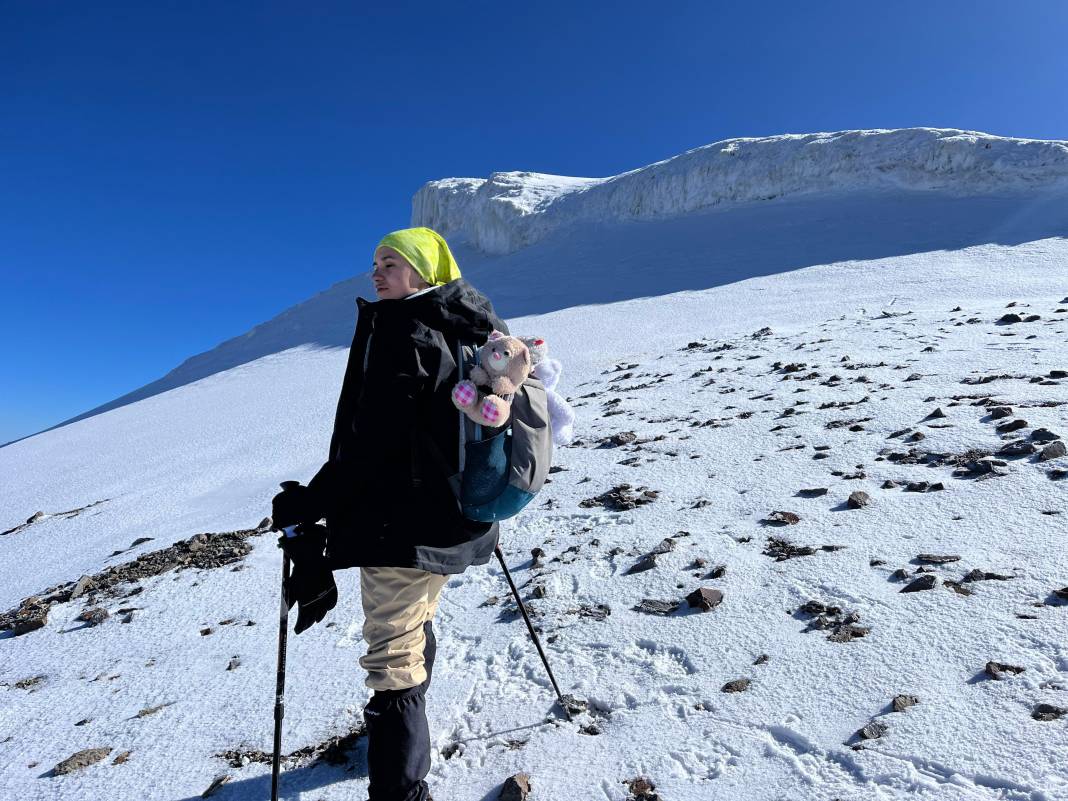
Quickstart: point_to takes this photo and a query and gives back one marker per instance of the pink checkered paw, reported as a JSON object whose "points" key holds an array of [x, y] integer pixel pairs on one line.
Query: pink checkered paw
{"points": [[464, 393], [490, 411]]}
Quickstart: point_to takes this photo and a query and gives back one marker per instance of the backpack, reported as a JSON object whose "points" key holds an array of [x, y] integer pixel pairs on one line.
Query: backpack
{"points": [[500, 474]]}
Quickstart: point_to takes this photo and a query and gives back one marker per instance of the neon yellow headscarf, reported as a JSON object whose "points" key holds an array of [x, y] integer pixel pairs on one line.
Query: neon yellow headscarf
{"points": [[426, 251]]}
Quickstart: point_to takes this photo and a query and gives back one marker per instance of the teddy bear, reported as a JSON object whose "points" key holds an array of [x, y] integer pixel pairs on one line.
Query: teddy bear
{"points": [[503, 364], [546, 370]]}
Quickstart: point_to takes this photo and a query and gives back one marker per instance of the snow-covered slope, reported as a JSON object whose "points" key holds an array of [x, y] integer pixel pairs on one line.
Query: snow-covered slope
{"points": [[511, 210], [721, 213], [728, 391]]}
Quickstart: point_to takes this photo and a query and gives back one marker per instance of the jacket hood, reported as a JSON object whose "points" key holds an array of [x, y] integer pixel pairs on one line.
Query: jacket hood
{"points": [[455, 309]]}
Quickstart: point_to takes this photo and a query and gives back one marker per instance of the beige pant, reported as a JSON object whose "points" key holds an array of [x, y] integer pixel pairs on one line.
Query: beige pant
{"points": [[396, 603]]}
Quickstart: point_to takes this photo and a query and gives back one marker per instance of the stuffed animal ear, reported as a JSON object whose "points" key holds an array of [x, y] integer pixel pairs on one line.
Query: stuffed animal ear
{"points": [[496, 335]]}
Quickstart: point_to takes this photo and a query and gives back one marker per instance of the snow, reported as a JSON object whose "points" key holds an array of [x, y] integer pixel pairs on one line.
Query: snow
{"points": [[206, 456], [512, 210]]}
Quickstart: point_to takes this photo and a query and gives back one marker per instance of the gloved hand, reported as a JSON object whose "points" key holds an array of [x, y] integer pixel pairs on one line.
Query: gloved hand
{"points": [[311, 584], [294, 504]]}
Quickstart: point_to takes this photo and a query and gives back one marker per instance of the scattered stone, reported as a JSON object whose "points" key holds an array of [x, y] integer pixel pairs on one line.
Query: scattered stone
{"points": [[782, 518], [83, 585], [736, 686], [760, 660], [873, 730], [1043, 435], [903, 702], [1014, 425], [1062, 593], [125, 755], [926, 582], [1054, 450], [815, 492], [216, 783], [981, 575], [641, 788], [81, 759], [203, 551], [1018, 447], [704, 598], [857, 500], [781, 550], [516, 788], [999, 671], [620, 499], [595, 611], [151, 710], [618, 440], [1047, 712], [998, 412], [30, 683], [651, 606], [937, 559], [935, 414], [235, 662], [647, 562], [574, 704], [94, 617], [900, 574]]}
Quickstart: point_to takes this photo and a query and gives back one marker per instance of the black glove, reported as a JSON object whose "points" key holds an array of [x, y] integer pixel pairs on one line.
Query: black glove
{"points": [[294, 504], [311, 584]]}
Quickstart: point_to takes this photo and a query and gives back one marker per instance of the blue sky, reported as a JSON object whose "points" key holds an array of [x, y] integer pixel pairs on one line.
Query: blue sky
{"points": [[172, 174]]}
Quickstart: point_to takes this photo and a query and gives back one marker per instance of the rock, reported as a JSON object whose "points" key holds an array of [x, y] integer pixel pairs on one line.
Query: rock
{"points": [[642, 789], [1057, 374], [235, 662], [782, 518], [516, 788], [873, 731], [1010, 318], [94, 617], [651, 606], [998, 412], [618, 440], [858, 499], [719, 571], [621, 498], [216, 783], [1015, 425], [80, 760], [23, 624], [1018, 447], [999, 671], [980, 575], [935, 414], [666, 545], [760, 660], [925, 582], [1047, 712], [903, 702], [1054, 450], [736, 686], [85, 583], [900, 574], [937, 559], [704, 598], [1043, 435], [847, 633], [574, 704], [1062, 593], [647, 562], [125, 755], [781, 550]]}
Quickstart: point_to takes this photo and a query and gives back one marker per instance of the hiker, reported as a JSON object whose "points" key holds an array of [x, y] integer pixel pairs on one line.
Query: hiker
{"points": [[389, 509]]}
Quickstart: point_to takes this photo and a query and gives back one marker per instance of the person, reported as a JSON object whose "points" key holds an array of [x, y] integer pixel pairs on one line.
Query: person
{"points": [[383, 490]]}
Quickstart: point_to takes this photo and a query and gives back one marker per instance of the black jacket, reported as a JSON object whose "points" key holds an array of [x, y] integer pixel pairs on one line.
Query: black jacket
{"points": [[383, 490]]}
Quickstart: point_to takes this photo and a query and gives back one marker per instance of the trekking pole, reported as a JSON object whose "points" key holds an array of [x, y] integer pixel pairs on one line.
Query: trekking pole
{"points": [[530, 628], [280, 685]]}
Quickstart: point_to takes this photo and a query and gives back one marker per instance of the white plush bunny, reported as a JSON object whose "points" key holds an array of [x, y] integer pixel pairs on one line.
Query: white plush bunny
{"points": [[546, 370]]}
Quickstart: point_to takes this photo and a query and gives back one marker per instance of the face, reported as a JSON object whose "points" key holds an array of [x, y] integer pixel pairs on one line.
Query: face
{"points": [[393, 276]]}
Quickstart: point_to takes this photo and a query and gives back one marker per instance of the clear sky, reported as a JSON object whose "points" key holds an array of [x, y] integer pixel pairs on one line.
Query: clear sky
{"points": [[172, 174]]}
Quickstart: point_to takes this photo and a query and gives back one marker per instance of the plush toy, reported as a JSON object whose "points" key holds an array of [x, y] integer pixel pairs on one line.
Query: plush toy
{"points": [[503, 364], [546, 370]]}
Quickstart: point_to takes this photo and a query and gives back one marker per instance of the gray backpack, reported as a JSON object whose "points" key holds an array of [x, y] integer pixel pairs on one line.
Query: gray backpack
{"points": [[500, 474]]}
